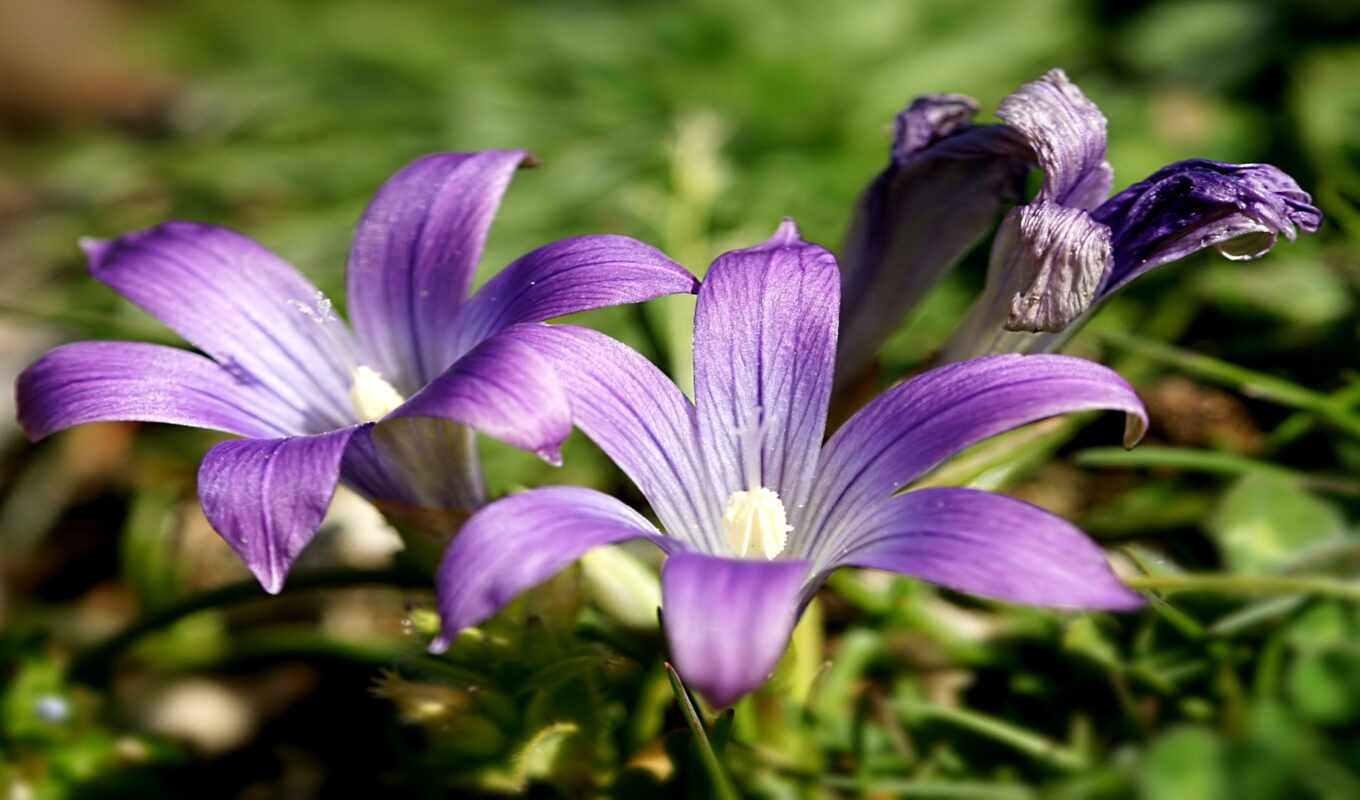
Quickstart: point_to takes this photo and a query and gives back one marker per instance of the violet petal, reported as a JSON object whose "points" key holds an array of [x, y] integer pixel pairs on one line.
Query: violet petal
{"points": [[243, 306], [764, 349], [522, 540], [916, 425], [640, 420], [267, 497], [1190, 205], [503, 388], [568, 276], [415, 250], [990, 545], [939, 196], [112, 381], [728, 620]]}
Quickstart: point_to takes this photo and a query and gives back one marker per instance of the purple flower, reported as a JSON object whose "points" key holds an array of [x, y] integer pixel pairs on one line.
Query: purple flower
{"points": [[946, 182], [1058, 257], [304, 389], [756, 510]]}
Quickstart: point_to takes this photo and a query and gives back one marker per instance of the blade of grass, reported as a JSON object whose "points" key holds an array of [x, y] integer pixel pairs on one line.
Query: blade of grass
{"points": [[1249, 382], [721, 786], [1153, 457]]}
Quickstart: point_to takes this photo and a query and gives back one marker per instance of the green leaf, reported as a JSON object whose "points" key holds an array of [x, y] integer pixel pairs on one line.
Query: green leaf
{"points": [[1264, 520], [1185, 764]]}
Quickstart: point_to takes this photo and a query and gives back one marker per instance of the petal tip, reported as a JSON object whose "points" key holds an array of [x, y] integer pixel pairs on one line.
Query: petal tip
{"points": [[551, 454], [1135, 427], [439, 645], [788, 233]]}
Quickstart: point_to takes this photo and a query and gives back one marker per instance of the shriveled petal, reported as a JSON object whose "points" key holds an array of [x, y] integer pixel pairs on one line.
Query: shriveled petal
{"points": [[1066, 132], [414, 254], [729, 620], [1238, 208], [504, 388], [990, 545], [643, 422], [111, 381], [521, 541], [1047, 262], [914, 426], [764, 349], [568, 276], [939, 196], [243, 306], [267, 497]]}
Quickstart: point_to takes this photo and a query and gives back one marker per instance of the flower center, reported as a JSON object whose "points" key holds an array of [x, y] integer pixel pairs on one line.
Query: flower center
{"points": [[373, 397], [755, 523]]}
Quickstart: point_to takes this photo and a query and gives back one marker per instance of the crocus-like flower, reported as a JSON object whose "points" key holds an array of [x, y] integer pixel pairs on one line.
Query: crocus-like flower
{"points": [[1055, 258], [945, 185], [1063, 253], [756, 510], [305, 390]]}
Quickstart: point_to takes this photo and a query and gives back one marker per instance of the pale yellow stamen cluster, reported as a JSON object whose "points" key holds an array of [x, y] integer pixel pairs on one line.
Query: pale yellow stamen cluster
{"points": [[373, 397], [755, 523]]}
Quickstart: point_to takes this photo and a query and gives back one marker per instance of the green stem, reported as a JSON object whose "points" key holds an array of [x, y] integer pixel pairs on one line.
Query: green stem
{"points": [[1248, 382], [1154, 457], [1028, 742], [1249, 584], [94, 665], [721, 786]]}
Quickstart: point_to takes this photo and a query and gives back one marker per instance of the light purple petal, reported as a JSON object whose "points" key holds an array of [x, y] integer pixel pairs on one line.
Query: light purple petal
{"points": [[243, 306], [568, 276], [914, 426], [1066, 131], [267, 497], [990, 545], [729, 620], [640, 420], [521, 541], [414, 254], [1239, 208], [764, 350], [939, 196], [503, 388], [111, 381], [416, 465]]}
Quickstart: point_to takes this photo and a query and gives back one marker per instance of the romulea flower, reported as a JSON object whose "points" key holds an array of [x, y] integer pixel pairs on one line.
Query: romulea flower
{"points": [[388, 405], [754, 509], [1056, 258]]}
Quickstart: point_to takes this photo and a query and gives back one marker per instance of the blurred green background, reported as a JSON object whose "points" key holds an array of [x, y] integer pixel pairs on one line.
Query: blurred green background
{"points": [[695, 127]]}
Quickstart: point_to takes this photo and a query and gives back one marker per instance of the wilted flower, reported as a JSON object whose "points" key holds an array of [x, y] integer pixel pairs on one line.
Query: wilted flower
{"points": [[756, 511], [305, 390], [1057, 257]]}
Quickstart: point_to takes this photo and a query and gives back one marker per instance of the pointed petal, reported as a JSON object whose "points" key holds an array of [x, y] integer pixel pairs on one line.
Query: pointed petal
{"points": [[1238, 208], [521, 541], [414, 254], [729, 620], [987, 544], [267, 497], [764, 348], [243, 306], [111, 381], [568, 276], [503, 388], [1066, 131], [939, 196], [913, 427], [640, 420]]}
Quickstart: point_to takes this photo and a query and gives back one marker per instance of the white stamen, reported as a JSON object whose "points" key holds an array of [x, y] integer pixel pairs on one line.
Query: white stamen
{"points": [[755, 523], [373, 397]]}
